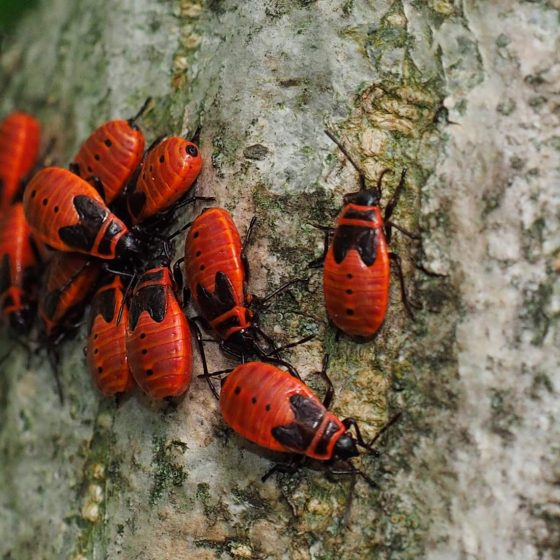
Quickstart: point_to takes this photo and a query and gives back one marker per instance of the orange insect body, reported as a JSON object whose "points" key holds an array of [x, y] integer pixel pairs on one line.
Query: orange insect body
{"points": [[111, 154], [69, 280], [19, 147], [216, 273], [158, 341], [106, 347], [269, 407], [68, 214], [18, 269], [357, 271], [168, 171]]}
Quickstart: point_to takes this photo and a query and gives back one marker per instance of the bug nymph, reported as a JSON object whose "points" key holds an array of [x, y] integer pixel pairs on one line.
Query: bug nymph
{"points": [[68, 214], [158, 337], [106, 347], [216, 272], [357, 264], [109, 156], [19, 259], [165, 176], [276, 410], [19, 148]]}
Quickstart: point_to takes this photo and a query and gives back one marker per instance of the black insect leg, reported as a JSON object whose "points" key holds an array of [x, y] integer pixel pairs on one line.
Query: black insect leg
{"points": [[54, 359], [198, 336], [392, 421], [295, 464], [397, 261], [389, 209], [247, 240], [329, 395], [143, 109]]}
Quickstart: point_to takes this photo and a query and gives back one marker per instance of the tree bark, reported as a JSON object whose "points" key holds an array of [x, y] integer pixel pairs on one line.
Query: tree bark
{"points": [[465, 96]]}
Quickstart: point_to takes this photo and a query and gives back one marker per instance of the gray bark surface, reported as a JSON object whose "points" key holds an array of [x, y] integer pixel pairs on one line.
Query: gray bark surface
{"points": [[466, 95]]}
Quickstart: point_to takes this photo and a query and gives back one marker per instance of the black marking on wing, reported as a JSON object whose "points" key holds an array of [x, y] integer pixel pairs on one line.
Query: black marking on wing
{"points": [[104, 305], [299, 434], [363, 239], [5, 276], [366, 215], [218, 303], [151, 276], [110, 232], [151, 299], [331, 429], [83, 234]]}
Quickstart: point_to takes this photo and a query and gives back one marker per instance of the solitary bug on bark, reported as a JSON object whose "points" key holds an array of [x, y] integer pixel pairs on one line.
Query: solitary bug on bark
{"points": [[110, 155], [19, 148], [357, 263], [68, 214], [158, 338], [277, 411], [106, 348]]}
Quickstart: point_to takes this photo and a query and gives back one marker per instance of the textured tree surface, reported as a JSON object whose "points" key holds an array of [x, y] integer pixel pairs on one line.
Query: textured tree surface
{"points": [[466, 96]]}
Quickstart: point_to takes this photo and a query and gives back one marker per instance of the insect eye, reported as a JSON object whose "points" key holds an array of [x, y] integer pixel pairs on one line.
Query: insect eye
{"points": [[191, 150]]}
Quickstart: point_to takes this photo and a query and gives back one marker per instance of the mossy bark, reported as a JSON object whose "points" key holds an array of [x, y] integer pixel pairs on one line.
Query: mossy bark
{"points": [[462, 94]]}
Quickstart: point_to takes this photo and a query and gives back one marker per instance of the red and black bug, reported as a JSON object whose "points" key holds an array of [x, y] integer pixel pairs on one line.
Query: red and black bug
{"points": [[19, 258], [106, 347], [167, 173], [19, 148], [357, 264], [69, 281], [158, 340], [110, 155], [68, 214], [273, 409], [216, 269]]}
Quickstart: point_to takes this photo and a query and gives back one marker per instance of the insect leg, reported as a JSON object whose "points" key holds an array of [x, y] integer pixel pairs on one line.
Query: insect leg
{"points": [[397, 260]]}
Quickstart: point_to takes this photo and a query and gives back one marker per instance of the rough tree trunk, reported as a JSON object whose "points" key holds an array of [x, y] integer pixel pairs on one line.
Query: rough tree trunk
{"points": [[471, 471]]}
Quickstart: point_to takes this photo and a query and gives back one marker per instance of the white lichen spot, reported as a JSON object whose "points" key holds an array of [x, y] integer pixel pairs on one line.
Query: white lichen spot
{"points": [[241, 550], [190, 9], [318, 507], [90, 509], [90, 512], [397, 20], [444, 7], [180, 63], [192, 41], [105, 421], [98, 471]]}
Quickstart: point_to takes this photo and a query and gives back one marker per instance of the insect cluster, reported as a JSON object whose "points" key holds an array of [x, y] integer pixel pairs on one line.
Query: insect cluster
{"points": [[99, 230]]}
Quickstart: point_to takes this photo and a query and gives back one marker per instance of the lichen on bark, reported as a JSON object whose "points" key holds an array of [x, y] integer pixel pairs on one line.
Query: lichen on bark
{"points": [[463, 95]]}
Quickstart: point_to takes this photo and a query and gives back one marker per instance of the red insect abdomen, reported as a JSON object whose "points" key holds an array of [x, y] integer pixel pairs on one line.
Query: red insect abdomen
{"points": [[18, 279], [69, 280], [215, 271], [168, 172], [158, 339], [357, 293], [68, 214], [213, 245], [111, 153], [106, 347], [19, 147], [263, 403]]}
